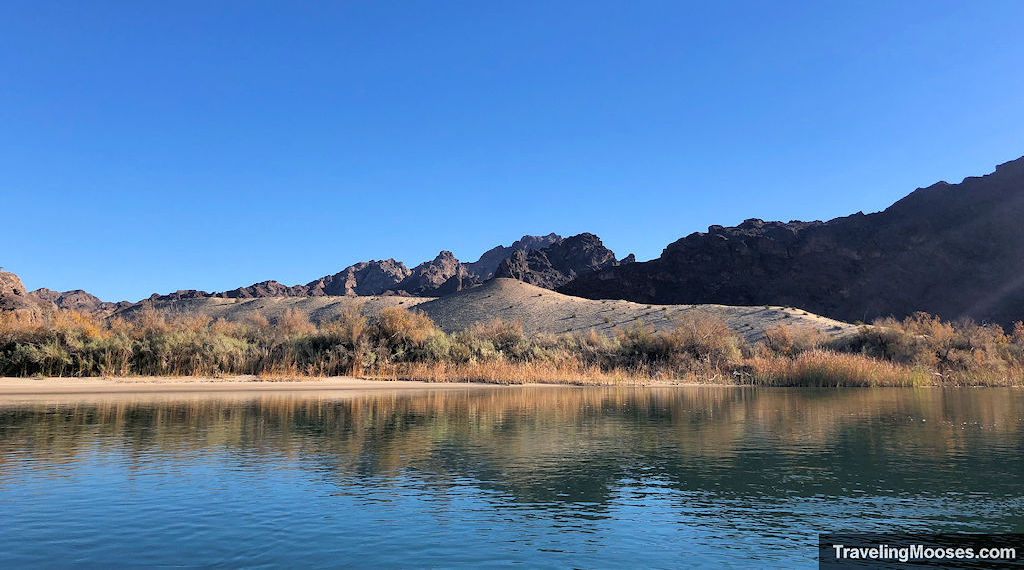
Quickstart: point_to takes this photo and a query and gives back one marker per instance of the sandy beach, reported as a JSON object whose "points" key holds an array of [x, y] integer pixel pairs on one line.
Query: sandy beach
{"points": [[19, 387]]}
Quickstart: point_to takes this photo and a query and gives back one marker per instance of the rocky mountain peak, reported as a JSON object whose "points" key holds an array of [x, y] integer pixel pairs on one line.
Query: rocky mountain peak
{"points": [[484, 268], [13, 296], [365, 278], [558, 263], [429, 276]]}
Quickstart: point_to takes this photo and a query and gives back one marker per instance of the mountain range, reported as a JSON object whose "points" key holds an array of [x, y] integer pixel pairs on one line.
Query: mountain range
{"points": [[954, 250], [444, 274]]}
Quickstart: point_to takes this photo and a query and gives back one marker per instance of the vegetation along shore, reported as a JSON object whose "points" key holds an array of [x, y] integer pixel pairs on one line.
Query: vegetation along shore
{"points": [[404, 344]]}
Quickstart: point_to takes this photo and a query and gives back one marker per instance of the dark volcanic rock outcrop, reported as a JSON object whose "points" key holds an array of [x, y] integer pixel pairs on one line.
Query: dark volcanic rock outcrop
{"points": [[261, 289], [485, 267], [13, 296], [559, 262], [954, 250], [443, 275], [76, 300], [266, 289], [462, 279], [428, 277], [364, 278], [183, 294]]}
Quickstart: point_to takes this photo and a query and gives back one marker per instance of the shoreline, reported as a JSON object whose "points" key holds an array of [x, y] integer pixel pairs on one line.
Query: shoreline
{"points": [[16, 388], [57, 390], [11, 386]]}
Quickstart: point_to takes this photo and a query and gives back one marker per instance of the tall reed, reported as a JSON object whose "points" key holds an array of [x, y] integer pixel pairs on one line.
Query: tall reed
{"points": [[397, 343]]}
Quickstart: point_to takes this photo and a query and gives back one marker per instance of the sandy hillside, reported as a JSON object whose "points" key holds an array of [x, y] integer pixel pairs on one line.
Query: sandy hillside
{"points": [[542, 310], [539, 310], [319, 309]]}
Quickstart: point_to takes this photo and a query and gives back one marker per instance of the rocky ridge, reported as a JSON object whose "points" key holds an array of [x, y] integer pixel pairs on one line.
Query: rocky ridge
{"points": [[442, 275], [560, 262], [953, 250], [13, 296], [75, 300], [484, 268]]}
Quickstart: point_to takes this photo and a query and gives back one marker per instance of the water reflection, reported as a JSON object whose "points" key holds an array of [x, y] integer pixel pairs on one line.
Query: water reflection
{"points": [[599, 472]]}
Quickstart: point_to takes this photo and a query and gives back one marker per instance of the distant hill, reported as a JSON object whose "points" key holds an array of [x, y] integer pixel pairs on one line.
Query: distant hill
{"points": [[539, 310], [440, 276], [14, 297], [954, 250]]}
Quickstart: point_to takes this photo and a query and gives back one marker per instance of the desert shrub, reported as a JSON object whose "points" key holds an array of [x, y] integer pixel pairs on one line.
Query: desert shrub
{"points": [[920, 349], [150, 321], [459, 352], [315, 354], [437, 348], [1012, 351], [401, 335], [707, 338], [639, 345], [1017, 334], [504, 339], [257, 321], [698, 342], [591, 348], [790, 341], [826, 368], [478, 349], [294, 323], [960, 352], [352, 332]]}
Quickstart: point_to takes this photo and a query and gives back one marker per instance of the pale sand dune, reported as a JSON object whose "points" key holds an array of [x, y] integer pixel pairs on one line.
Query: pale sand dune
{"points": [[544, 311], [539, 310]]}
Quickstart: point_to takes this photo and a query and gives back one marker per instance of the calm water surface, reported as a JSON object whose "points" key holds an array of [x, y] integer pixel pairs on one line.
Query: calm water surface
{"points": [[544, 476]]}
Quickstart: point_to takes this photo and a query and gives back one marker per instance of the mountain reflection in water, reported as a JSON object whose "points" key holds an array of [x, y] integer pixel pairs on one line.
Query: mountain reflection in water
{"points": [[538, 475]]}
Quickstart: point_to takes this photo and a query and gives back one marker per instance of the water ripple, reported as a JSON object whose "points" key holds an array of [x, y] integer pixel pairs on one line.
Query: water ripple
{"points": [[538, 477]]}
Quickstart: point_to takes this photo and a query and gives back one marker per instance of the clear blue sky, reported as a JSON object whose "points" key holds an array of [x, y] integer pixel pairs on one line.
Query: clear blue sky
{"points": [[152, 146]]}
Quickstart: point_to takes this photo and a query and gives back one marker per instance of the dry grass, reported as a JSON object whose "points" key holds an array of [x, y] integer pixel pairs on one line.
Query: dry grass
{"points": [[533, 372], [401, 344], [823, 368]]}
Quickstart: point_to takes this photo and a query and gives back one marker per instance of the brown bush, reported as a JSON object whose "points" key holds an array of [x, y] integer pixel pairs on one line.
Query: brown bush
{"points": [[825, 368], [400, 334], [294, 323], [504, 338], [1017, 336], [257, 321], [791, 341], [918, 350]]}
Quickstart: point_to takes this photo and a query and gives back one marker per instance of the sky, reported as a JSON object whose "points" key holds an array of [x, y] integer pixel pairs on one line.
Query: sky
{"points": [[149, 147]]}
